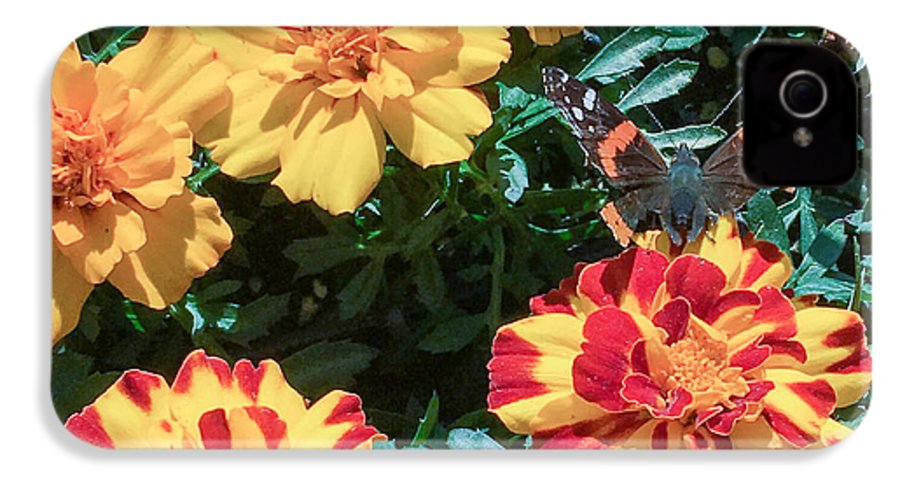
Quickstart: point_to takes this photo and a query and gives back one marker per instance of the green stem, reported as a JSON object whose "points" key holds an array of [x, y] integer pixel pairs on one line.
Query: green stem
{"points": [[111, 47], [496, 304], [859, 276]]}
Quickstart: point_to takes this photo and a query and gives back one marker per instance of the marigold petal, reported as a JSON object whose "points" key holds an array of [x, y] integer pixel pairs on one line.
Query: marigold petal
{"points": [[340, 88], [833, 432], [799, 405], [755, 435], [835, 343], [421, 39], [389, 82], [70, 290], [697, 280], [185, 238], [152, 162], [336, 421], [472, 56], [132, 413], [243, 48], [280, 68], [110, 231], [266, 386], [656, 434], [545, 36], [73, 85], [562, 299], [673, 317], [68, 224], [182, 79], [600, 371], [720, 244], [432, 126], [774, 319], [255, 427], [319, 163], [629, 280], [245, 139], [733, 312], [531, 374], [762, 264], [571, 437]]}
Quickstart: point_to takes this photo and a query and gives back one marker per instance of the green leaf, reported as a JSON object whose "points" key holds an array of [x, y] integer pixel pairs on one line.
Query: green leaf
{"points": [[427, 231], [220, 289], [801, 207], [196, 180], [429, 279], [694, 136], [254, 319], [828, 245], [319, 254], [325, 366], [116, 40], [462, 438], [426, 423], [512, 171], [359, 293], [72, 385], [536, 113], [662, 82], [451, 335], [765, 222], [833, 286], [272, 196], [623, 54], [681, 38], [743, 37]]}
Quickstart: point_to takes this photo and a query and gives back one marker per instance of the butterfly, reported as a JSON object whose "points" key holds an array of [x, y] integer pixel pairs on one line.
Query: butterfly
{"points": [[681, 193]]}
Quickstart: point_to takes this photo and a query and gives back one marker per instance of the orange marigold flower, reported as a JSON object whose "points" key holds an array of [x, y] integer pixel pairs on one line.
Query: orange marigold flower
{"points": [[314, 103], [121, 146], [545, 36], [680, 348], [211, 406]]}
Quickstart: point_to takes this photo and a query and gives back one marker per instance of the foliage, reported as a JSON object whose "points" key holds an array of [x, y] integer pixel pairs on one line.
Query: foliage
{"points": [[400, 299]]}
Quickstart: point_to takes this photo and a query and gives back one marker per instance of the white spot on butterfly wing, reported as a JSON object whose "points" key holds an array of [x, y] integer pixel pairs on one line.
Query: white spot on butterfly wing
{"points": [[588, 100], [577, 113]]}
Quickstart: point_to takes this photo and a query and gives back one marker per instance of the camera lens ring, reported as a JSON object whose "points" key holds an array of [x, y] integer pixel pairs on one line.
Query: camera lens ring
{"points": [[787, 83]]}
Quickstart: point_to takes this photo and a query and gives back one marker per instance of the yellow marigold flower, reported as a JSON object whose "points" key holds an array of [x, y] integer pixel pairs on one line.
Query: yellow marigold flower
{"points": [[211, 406], [314, 103], [680, 348], [545, 36], [121, 142]]}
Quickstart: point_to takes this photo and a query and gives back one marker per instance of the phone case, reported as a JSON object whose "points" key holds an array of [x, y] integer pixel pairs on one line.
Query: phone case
{"points": [[411, 237]]}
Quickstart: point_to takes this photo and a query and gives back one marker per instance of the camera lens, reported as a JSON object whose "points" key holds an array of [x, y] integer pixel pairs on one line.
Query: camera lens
{"points": [[803, 93]]}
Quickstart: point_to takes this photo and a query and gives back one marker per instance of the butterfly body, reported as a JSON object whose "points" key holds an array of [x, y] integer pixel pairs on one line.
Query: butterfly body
{"points": [[681, 192]]}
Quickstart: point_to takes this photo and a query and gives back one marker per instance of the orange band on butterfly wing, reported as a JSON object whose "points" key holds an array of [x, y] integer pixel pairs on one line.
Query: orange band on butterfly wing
{"points": [[620, 229], [618, 140]]}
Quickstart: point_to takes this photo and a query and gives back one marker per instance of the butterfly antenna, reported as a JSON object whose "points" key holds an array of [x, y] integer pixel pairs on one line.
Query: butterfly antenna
{"points": [[721, 113]]}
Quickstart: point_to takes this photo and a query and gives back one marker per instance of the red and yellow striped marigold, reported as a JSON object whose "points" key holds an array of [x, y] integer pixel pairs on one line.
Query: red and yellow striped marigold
{"points": [[211, 406], [680, 348]]}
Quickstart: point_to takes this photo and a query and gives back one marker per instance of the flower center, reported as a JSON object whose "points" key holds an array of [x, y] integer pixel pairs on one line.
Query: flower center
{"points": [[79, 159], [350, 52], [695, 366]]}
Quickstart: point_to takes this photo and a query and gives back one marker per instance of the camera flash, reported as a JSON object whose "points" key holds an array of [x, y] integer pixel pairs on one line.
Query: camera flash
{"points": [[803, 137]]}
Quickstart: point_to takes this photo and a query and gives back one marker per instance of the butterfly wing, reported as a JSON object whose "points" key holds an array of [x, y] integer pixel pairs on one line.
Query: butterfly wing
{"points": [[610, 140], [727, 187], [623, 214]]}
